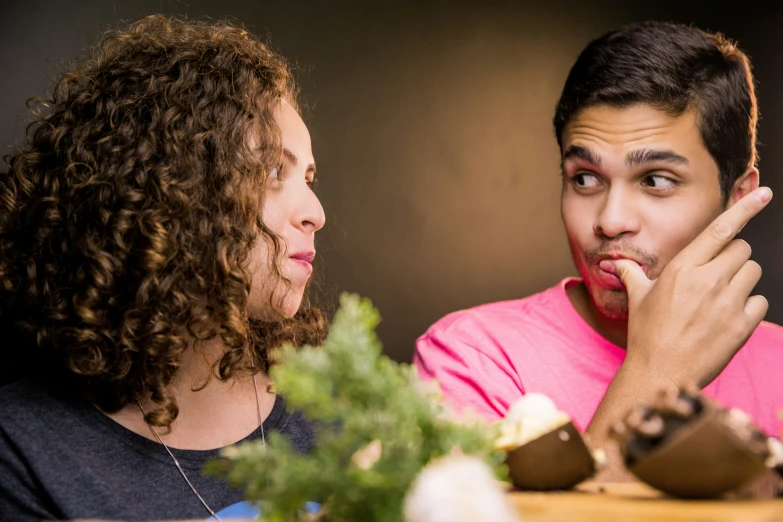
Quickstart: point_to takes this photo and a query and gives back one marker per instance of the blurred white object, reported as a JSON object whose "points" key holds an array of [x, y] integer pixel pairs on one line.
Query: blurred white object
{"points": [[457, 489], [533, 415], [775, 448], [366, 457]]}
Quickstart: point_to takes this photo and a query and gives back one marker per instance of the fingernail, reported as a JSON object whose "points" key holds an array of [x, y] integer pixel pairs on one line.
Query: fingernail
{"points": [[763, 195], [607, 266]]}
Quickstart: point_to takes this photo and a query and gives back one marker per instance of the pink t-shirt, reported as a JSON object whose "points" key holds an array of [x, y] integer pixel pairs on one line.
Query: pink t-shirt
{"points": [[487, 357]]}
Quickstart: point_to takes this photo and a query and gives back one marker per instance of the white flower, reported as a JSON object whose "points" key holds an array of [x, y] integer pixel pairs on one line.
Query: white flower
{"points": [[530, 417], [457, 489]]}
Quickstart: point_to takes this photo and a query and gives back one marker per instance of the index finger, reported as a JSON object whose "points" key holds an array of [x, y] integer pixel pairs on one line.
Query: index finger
{"points": [[720, 232]]}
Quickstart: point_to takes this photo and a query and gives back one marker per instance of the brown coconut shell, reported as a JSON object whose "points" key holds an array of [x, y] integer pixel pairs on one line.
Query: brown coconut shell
{"points": [[703, 459], [556, 460]]}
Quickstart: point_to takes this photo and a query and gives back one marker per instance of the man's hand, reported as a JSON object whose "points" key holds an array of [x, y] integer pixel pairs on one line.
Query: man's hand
{"points": [[686, 326]]}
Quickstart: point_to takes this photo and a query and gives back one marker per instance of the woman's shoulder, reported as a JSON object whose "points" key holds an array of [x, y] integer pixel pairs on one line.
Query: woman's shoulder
{"points": [[30, 407], [37, 410], [292, 425], [25, 399]]}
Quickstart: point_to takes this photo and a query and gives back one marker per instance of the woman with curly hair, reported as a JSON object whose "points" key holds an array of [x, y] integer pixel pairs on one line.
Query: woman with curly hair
{"points": [[156, 238]]}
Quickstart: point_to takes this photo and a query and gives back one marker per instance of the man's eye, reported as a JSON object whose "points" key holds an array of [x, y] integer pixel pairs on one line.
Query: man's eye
{"points": [[659, 182], [585, 180]]}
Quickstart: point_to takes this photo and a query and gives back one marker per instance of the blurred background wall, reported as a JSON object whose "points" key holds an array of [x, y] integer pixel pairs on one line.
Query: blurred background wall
{"points": [[431, 127]]}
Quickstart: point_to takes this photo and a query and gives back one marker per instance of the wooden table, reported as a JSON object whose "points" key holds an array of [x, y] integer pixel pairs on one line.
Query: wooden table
{"points": [[636, 502], [622, 502]]}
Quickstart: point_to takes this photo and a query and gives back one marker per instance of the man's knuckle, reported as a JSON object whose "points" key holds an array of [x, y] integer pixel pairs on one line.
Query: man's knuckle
{"points": [[721, 231]]}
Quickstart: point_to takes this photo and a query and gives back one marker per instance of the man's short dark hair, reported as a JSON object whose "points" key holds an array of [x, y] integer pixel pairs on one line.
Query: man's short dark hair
{"points": [[674, 68]]}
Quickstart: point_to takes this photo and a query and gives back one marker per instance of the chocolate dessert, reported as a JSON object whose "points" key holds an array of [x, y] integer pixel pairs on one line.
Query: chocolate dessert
{"points": [[545, 451], [688, 446]]}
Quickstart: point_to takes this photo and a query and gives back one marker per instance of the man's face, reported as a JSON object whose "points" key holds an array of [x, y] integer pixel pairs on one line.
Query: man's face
{"points": [[637, 184]]}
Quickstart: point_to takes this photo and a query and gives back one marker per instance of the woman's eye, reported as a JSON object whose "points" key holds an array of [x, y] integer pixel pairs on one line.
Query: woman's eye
{"points": [[276, 173], [585, 180]]}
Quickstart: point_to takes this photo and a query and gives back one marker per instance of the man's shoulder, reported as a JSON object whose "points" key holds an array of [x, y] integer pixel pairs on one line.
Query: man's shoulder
{"points": [[767, 336], [763, 352], [771, 329], [490, 318]]}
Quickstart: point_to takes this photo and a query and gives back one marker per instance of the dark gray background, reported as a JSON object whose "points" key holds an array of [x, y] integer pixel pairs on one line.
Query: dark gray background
{"points": [[431, 128]]}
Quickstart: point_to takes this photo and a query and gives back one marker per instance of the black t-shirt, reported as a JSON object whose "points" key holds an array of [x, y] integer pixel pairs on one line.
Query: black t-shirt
{"points": [[61, 458]]}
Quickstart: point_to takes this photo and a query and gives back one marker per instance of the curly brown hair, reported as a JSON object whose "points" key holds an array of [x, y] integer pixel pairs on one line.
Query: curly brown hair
{"points": [[127, 215]]}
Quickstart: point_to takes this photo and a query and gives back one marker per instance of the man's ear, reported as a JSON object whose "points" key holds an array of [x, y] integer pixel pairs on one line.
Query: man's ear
{"points": [[745, 184]]}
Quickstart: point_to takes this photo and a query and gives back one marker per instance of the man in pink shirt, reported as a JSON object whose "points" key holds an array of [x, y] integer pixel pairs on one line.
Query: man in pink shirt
{"points": [[657, 127]]}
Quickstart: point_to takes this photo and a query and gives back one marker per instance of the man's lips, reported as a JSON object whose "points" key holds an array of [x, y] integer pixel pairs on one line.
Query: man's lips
{"points": [[606, 273], [607, 263]]}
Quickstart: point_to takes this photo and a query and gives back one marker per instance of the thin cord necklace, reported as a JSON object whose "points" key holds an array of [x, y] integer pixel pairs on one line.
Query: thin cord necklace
{"points": [[176, 462]]}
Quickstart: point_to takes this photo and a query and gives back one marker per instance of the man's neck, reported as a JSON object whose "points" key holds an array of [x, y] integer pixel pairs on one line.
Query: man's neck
{"points": [[613, 330]]}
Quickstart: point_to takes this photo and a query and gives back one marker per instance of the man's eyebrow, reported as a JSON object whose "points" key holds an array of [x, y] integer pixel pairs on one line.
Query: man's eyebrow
{"points": [[638, 157], [291, 157], [583, 153]]}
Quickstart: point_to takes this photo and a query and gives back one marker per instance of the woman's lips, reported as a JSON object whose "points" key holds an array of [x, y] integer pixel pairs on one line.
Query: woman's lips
{"points": [[307, 257], [304, 259]]}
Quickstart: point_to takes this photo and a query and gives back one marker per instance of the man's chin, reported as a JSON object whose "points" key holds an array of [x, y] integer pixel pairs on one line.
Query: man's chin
{"points": [[614, 315], [611, 304]]}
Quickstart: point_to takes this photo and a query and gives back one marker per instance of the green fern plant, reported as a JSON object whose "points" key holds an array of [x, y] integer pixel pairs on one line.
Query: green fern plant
{"points": [[377, 428]]}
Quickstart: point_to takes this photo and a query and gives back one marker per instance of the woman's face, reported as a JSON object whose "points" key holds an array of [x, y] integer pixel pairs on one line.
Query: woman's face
{"points": [[292, 212]]}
